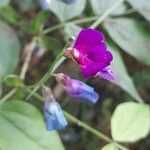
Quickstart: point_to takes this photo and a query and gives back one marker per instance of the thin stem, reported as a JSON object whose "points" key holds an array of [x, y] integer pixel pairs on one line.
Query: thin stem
{"points": [[28, 49], [8, 95], [61, 25], [106, 14], [52, 68], [92, 130], [81, 124]]}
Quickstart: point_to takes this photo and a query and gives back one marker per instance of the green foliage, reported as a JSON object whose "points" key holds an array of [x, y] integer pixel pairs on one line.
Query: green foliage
{"points": [[65, 12], [22, 128], [123, 79], [12, 80], [4, 2], [110, 146], [131, 36], [130, 122], [9, 14], [36, 25], [142, 6], [9, 49], [50, 43], [101, 6]]}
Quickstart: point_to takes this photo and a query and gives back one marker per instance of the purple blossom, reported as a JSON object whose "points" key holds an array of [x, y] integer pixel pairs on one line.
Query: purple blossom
{"points": [[76, 88], [91, 53]]}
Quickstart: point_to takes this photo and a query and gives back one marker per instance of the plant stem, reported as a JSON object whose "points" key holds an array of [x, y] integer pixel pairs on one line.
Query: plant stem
{"points": [[8, 95], [106, 14], [92, 130], [61, 25], [81, 124], [52, 68], [28, 49]]}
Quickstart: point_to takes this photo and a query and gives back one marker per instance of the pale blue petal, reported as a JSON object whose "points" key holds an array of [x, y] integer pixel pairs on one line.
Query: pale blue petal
{"points": [[54, 116]]}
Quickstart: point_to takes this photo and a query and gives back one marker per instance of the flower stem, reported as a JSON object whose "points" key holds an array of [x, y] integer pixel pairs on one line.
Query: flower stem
{"points": [[61, 25], [81, 124], [59, 59], [7, 96], [28, 50], [106, 14], [92, 130]]}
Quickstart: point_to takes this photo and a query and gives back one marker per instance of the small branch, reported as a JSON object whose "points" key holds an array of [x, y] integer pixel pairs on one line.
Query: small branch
{"points": [[7, 96], [78, 21], [52, 68], [28, 49], [106, 14]]}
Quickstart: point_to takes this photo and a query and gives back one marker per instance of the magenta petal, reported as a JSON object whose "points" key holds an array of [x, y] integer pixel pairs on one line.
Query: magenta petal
{"points": [[88, 38], [91, 69], [107, 74], [100, 54]]}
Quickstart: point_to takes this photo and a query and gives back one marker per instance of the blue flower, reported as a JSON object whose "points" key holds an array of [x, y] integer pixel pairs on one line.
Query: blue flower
{"points": [[45, 4], [54, 117], [78, 89]]}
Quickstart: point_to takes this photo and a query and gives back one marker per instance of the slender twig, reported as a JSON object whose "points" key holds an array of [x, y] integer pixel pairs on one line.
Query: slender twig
{"points": [[28, 52], [29, 49], [78, 21], [106, 14], [52, 68], [8, 95]]}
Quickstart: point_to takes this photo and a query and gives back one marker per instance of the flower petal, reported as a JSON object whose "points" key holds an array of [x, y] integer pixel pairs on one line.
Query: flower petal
{"points": [[78, 89], [85, 92], [91, 68], [54, 116], [88, 38], [100, 53], [107, 74]]}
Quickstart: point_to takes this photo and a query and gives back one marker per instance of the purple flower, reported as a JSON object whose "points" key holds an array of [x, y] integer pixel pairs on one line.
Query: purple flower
{"points": [[76, 88], [53, 113], [91, 53]]}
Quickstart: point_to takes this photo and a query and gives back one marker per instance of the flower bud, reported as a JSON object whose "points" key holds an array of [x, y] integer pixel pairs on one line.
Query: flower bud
{"points": [[54, 117], [77, 89]]}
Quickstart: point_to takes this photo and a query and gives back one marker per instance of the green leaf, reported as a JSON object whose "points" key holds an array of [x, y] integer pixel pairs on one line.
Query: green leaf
{"points": [[131, 36], [50, 43], [9, 49], [101, 6], [26, 5], [9, 14], [65, 12], [4, 2], [36, 24], [12, 80], [110, 146], [123, 78], [22, 128], [130, 122], [142, 6]]}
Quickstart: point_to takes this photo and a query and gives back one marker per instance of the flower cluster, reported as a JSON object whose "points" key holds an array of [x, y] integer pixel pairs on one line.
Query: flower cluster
{"points": [[90, 52]]}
